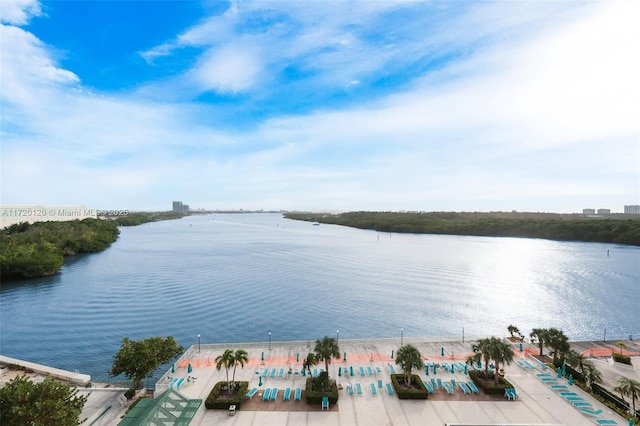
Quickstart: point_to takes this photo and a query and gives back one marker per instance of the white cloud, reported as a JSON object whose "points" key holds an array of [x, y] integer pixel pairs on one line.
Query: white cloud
{"points": [[233, 68], [18, 12], [546, 120]]}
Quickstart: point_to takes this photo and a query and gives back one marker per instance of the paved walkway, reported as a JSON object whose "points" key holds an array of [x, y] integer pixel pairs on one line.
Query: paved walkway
{"points": [[537, 403]]}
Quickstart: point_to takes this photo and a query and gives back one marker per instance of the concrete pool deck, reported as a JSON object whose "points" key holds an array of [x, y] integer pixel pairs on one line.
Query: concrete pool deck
{"points": [[537, 404]]}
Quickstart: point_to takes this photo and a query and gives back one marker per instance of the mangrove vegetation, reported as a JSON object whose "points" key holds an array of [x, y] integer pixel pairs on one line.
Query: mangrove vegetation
{"points": [[618, 229]]}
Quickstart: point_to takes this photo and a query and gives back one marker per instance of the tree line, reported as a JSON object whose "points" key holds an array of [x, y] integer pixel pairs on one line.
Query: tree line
{"points": [[38, 249], [546, 226]]}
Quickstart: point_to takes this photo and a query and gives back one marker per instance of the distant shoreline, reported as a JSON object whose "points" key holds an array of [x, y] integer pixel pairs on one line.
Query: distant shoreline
{"points": [[615, 228]]}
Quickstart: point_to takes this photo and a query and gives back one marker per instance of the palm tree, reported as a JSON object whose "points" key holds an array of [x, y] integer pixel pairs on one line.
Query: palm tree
{"points": [[512, 329], [621, 345], [408, 357], [539, 334], [629, 387], [225, 360], [326, 349], [472, 360], [592, 375], [240, 356], [309, 362], [481, 351], [500, 352], [558, 342]]}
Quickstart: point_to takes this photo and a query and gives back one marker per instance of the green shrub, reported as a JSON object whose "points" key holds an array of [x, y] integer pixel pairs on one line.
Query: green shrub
{"points": [[624, 359], [487, 384], [397, 380], [314, 393], [215, 402]]}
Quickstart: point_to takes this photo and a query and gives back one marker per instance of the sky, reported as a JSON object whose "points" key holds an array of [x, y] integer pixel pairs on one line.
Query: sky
{"points": [[321, 105]]}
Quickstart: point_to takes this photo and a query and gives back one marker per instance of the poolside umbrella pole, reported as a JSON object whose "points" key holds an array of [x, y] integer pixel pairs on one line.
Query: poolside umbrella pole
{"points": [[339, 371], [466, 370], [173, 367], [345, 357], [189, 368], [564, 370], [570, 379], [260, 381], [451, 368], [351, 371], [442, 351], [426, 370], [559, 372], [297, 357], [391, 354]]}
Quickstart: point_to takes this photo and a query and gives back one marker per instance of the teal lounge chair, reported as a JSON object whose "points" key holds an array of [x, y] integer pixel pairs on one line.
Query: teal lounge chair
{"points": [[370, 371], [559, 387], [350, 388], [315, 372], [281, 373], [590, 411], [389, 389], [273, 373], [473, 387], [265, 373], [373, 388], [298, 394], [464, 387], [379, 384], [287, 394], [358, 388], [447, 387], [391, 369], [267, 394], [606, 422], [325, 403], [274, 394], [252, 392], [361, 371], [439, 381], [428, 386]]}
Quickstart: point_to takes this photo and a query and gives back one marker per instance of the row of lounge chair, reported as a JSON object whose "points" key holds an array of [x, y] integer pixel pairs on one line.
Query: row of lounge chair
{"points": [[450, 386], [271, 394], [575, 400], [357, 389], [281, 374]]}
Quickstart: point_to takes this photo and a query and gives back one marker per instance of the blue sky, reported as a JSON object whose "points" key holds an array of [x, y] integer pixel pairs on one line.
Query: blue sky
{"points": [[321, 105]]}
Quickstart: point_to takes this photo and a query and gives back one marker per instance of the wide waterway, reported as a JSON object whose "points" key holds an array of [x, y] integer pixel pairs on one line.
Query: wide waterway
{"points": [[239, 277]]}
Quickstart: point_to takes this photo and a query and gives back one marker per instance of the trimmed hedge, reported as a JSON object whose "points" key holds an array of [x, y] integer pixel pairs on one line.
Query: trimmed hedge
{"points": [[213, 402], [403, 393], [624, 359], [480, 381], [315, 397]]}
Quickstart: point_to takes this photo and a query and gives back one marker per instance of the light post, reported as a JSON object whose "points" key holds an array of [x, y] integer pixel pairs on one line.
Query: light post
{"points": [[401, 336], [198, 343], [269, 340], [337, 336]]}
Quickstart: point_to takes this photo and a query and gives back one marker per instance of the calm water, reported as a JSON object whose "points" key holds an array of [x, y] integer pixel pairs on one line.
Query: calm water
{"points": [[234, 278]]}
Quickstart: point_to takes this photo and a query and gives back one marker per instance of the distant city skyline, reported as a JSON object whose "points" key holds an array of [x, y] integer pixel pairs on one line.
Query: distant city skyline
{"points": [[323, 106]]}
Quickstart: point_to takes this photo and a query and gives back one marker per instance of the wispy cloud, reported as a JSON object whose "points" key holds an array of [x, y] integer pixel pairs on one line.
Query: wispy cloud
{"points": [[342, 105]]}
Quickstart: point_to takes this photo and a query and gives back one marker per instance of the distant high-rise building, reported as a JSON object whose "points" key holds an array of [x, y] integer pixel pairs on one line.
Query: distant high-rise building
{"points": [[632, 209], [604, 211], [178, 207], [588, 211]]}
